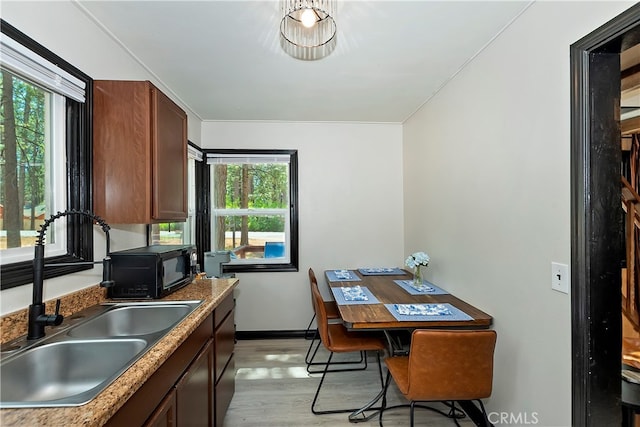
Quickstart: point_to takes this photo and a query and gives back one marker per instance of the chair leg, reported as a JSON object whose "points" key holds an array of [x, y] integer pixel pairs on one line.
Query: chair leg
{"points": [[308, 359], [383, 405], [360, 414], [307, 333], [380, 369], [412, 408], [315, 398], [454, 412], [484, 413], [362, 360], [324, 374]]}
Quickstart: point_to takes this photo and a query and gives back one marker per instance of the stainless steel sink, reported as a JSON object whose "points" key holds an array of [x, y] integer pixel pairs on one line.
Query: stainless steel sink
{"points": [[67, 372], [76, 361], [132, 320]]}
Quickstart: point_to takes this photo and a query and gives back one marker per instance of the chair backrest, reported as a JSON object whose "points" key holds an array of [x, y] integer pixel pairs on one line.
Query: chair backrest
{"points": [[322, 319], [451, 365], [312, 280]]}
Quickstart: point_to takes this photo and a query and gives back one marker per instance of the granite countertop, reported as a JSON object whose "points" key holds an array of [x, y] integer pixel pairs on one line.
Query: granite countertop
{"points": [[98, 411]]}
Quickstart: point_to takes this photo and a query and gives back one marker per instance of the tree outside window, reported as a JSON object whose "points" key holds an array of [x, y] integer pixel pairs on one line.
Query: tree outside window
{"points": [[45, 158], [254, 208], [22, 161]]}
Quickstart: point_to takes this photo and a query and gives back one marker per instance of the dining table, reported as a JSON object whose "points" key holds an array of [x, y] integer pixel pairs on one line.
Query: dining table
{"points": [[389, 300], [384, 291]]}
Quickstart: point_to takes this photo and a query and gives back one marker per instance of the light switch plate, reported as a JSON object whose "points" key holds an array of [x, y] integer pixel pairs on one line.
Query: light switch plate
{"points": [[560, 277]]}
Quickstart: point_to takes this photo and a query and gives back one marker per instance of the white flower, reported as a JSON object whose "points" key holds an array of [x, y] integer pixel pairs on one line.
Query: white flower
{"points": [[416, 259]]}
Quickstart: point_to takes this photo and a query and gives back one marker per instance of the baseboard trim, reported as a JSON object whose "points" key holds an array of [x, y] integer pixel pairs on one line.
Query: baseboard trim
{"points": [[261, 335]]}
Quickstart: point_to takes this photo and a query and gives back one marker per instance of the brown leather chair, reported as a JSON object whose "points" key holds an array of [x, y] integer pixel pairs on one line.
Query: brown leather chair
{"points": [[444, 365], [337, 339], [332, 313]]}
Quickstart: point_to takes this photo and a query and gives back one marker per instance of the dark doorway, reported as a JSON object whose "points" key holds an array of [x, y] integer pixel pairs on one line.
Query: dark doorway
{"points": [[597, 225]]}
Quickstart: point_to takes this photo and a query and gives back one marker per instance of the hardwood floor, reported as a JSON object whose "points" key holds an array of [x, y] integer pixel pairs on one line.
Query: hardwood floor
{"points": [[273, 388]]}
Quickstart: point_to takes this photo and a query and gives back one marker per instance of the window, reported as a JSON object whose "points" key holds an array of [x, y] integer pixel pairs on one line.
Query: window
{"points": [[254, 208], [45, 158], [178, 233]]}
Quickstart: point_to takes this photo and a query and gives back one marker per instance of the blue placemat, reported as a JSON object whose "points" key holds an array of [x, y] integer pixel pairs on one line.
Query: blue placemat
{"points": [[427, 288], [381, 271], [425, 312], [354, 295], [342, 276]]}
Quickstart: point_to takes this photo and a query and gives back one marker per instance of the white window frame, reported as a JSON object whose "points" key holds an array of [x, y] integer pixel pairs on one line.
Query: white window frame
{"points": [[193, 155], [286, 258], [17, 50], [289, 262], [55, 172]]}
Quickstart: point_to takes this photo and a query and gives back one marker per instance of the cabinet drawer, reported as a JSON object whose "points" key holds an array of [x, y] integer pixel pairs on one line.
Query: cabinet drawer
{"points": [[224, 344], [224, 391], [223, 309]]}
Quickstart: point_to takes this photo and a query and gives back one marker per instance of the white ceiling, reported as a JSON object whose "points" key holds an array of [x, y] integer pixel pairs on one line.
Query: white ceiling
{"points": [[223, 60]]}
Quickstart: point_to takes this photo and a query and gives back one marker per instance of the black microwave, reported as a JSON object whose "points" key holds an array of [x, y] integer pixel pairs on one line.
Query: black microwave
{"points": [[151, 271]]}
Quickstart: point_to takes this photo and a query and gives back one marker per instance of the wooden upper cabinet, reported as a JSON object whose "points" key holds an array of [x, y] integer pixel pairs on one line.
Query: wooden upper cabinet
{"points": [[139, 154]]}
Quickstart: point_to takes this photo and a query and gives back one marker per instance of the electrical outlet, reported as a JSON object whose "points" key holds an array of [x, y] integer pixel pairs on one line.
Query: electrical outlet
{"points": [[560, 277]]}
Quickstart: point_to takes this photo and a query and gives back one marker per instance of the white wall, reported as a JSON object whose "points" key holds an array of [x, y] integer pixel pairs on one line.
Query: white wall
{"points": [[350, 200], [487, 195], [64, 29]]}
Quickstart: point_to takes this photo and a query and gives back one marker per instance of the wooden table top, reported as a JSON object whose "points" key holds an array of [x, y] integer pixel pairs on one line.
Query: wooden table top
{"points": [[377, 316]]}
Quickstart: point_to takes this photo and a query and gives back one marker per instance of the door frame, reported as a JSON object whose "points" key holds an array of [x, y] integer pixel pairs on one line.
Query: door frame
{"points": [[597, 225]]}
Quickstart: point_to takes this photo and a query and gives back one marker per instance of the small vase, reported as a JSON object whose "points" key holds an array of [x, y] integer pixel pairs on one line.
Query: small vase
{"points": [[417, 275]]}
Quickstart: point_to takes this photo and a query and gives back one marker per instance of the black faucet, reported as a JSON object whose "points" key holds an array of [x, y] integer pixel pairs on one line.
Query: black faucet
{"points": [[38, 319]]}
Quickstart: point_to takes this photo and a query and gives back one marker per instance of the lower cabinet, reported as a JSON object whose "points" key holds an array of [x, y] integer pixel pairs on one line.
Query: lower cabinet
{"points": [[195, 385], [225, 370], [189, 402], [224, 392], [194, 391], [165, 414]]}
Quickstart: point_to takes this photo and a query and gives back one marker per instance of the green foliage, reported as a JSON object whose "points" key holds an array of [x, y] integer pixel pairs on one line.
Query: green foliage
{"points": [[274, 223], [268, 186], [171, 226], [266, 223]]}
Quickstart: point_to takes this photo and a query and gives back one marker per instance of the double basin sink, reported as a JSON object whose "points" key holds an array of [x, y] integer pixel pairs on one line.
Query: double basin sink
{"points": [[79, 359]]}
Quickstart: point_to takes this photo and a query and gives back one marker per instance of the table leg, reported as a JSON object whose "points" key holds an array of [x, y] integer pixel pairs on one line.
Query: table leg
{"points": [[395, 347]]}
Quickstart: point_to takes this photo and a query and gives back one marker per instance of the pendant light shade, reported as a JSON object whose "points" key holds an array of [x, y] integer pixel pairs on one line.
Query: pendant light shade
{"points": [[308, 28]]}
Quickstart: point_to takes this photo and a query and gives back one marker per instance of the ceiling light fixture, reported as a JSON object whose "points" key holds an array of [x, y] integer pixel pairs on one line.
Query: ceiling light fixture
{"points": [[308, 28]]}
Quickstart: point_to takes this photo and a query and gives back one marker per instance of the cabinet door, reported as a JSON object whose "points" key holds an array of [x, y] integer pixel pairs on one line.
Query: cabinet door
{"points": [[165, 414], [122, 151], [169, 158], [139, 154], [194, 391], [224, 344], [225, 388], [225, 371]]}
